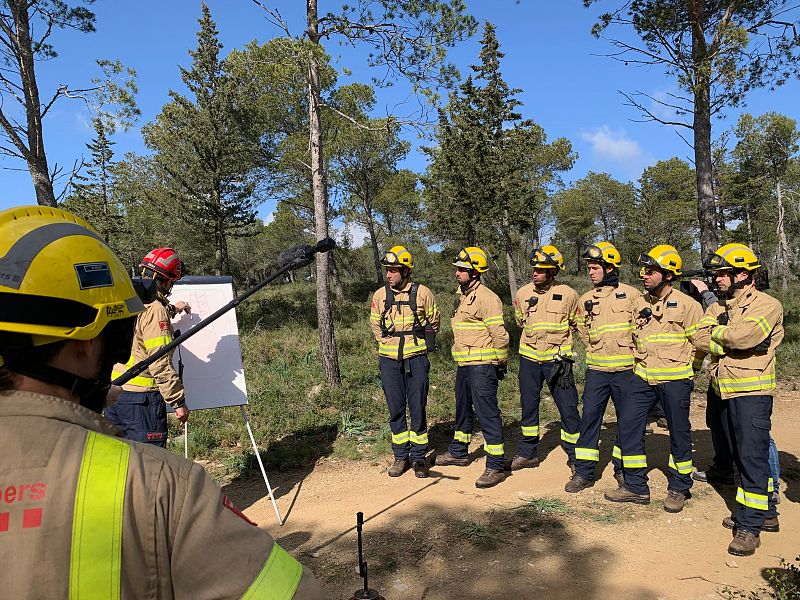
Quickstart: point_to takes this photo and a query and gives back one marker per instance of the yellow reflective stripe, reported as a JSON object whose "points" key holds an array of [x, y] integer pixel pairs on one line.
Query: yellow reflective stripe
{"points": [[418, 438], [757, 501], [461, 326], [460, 436], [692, 329], [765, 381], [375, 316], [610, 327], [96, 552], [717, 334], [634, 461], [546, 326], [762, 323], [617, 452], [534, 354], [400, 438], [611, 360], [770, 485], [661, 338], [278, 580], [716, 348], [570, 438], [409, 349], [157, 342], [494, 320], [684, 467], [708, 320], [531, 431], [587, 454], [479, 354], [494, 449], [666, 373]]}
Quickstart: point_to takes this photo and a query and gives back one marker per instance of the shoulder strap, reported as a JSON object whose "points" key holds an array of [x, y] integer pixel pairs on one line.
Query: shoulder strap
{"points": [[389, 299]]}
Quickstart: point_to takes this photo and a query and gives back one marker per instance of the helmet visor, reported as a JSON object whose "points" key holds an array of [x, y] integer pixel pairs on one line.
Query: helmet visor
{"points": [[390, 259], [464, 260], [714, 262], [542, 260], [593, 253], [645, 260]]}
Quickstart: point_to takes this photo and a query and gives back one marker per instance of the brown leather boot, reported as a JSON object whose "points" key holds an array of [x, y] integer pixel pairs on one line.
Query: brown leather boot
{"points": [[744, 543], [622, 494], [420, 468], [577, 484], [619, 478], [571, 466], [675, 500], [770, 525], [490, 478], [448, 460], [520, 462], [398, 468]]}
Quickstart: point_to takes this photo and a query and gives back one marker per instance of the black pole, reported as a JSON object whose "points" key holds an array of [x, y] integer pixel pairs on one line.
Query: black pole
{"points": [[362, 565], [291, 259]]}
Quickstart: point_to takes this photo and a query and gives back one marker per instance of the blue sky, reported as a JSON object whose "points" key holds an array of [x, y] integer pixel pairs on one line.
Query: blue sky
{"points": [[569, 87]]}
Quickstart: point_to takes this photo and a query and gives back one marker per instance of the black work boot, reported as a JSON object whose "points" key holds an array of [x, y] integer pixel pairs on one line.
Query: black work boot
{"points": [[420, 468], [399, 466], [712, 475], [490, 478], [744, 543], [577, 484], [448, 460]]}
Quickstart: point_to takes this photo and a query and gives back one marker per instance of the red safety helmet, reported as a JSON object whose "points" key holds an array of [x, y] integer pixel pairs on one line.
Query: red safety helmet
{"points": [[165, 262]]}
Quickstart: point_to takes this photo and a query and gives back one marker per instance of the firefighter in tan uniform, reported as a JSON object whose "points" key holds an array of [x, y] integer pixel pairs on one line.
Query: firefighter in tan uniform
{"points": [[741, 332], [140, 412], [88, 514], [546, 312], [666, 361], [480, 348], [605, 324], [404, 319]]}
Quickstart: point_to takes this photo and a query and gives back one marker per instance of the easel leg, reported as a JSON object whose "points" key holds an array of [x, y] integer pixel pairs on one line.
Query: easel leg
{"points": [[246, 418]]}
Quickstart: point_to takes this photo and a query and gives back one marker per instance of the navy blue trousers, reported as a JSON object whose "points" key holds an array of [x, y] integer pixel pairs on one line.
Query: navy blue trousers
{"points": [[141, 416], [675, 397], [476, 392], [740, 434], [532, 376], [405, 384], [599, 387]]}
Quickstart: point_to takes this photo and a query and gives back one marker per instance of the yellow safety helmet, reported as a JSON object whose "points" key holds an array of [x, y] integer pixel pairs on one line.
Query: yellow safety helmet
{"points": [[603, 252], [473, 258], [398, 256], [59, 279], [663, 257], [547, 257], [732, 256]]}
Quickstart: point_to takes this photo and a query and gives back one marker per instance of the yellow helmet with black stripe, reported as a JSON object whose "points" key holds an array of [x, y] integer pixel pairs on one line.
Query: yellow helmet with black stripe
{"points": [[663, 257], [59, 279], [732, 256], [603, 252], [472, 258], [398, 256], [547, 257]]}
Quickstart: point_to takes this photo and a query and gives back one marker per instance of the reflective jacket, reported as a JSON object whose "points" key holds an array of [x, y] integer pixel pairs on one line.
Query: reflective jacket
{"points": [[399, 318], [736, 368], [153, 330], [479, 334], [607, 331], [664, 350], [90, 515], [547, 318]]}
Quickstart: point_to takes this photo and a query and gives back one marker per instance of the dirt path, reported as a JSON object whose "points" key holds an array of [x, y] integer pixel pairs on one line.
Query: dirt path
{"points": [[442, 538]]}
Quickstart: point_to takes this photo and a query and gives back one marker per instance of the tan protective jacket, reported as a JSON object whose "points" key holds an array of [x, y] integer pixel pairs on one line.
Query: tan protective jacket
{"points": [[179, 537], [607, 331], [735, 368], [547, 322], [664, 350], [153, 330], [479, 334], [400, 318]]}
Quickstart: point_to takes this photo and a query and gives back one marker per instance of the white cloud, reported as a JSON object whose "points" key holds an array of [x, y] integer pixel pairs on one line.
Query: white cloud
{"points": [[269, 218], [613, 145]]}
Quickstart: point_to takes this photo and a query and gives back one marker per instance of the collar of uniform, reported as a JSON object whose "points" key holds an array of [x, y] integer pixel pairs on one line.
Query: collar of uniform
{"points": [[162, 298], [742, 300], [472, 289], [655, 300], [405, 288], [603, 291], [15, 403], [544, 290]]}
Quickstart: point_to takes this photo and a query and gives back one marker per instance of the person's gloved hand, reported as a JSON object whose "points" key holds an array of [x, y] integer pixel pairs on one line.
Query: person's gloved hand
{"points": [[722, 319], [502, 369], [567, 378], [762, 347]]}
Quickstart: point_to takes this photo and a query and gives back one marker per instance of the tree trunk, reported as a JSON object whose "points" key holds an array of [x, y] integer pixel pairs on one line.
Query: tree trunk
{"points": [[512, 272], [376, 253], [783, 244], [42, 184], [327, 339], [706, 212]]}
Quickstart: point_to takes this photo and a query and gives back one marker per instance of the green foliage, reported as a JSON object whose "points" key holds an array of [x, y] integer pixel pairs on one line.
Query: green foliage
{"points": [[783, 583]]}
